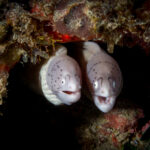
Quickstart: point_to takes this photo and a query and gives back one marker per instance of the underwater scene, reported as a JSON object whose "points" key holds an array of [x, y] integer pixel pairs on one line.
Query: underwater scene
{"points": [[75, 74]]}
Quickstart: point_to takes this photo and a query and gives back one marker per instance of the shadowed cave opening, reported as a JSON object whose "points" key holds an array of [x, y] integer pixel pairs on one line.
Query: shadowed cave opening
{"points": [[31, 115]]}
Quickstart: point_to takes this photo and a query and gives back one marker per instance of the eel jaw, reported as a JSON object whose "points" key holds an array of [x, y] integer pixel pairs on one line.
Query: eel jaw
{"points": [[70, 92], [69, 97], [104, 104]]}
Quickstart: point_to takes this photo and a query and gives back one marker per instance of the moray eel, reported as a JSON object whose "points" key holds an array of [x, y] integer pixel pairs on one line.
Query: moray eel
{"points": [[60, 79], [103, 76]]}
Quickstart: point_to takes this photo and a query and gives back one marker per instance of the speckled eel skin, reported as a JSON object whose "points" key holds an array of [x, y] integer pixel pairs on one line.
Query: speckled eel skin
{"points": [[103, 76], [60, 78]]}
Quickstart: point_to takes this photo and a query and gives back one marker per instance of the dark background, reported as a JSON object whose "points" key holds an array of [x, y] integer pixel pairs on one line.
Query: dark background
{"points": [[30, 119]]}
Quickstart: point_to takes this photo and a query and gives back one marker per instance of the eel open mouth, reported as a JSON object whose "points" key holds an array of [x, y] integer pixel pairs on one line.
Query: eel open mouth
{"points": [[70, 92], [102, 99]]}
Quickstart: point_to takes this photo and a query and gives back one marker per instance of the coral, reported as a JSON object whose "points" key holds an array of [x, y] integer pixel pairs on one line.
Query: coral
{"points": [[112, 130], [43, 10], [3, 48], [49, 21], [3, 30], [105, 21], [23, 25], [9, 57], [3, 83], [28, 33]]}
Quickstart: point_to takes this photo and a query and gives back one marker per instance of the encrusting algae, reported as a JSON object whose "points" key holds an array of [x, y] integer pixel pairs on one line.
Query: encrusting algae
{"points": [[112, 130]]}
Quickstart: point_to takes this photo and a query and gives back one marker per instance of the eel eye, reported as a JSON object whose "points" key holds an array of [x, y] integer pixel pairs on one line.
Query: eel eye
{"points": [[95, 84], [114, 84], [62, 81]]}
